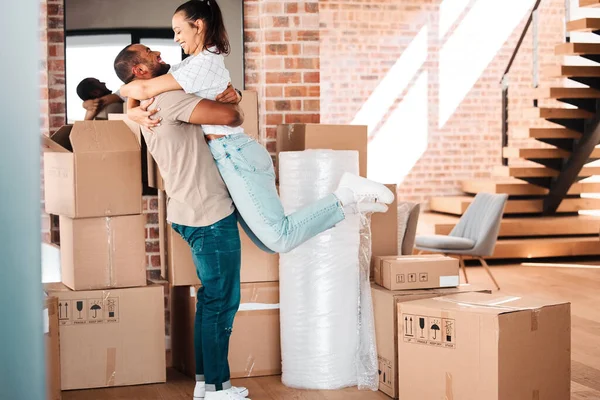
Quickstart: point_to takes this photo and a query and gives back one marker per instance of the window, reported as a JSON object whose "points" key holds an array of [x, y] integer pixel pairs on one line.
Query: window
{"points": [[90, 56]]}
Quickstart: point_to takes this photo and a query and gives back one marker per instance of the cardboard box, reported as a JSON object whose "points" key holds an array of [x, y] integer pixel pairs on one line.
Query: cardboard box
{"points": [[254, 347], [51, 341], [117, 339], [384, 232], [493, 347], [417, 272], [257, 265], [385, 306], [298, 137], [249, 106], [101, 253], [92, 169], [150, 173]]}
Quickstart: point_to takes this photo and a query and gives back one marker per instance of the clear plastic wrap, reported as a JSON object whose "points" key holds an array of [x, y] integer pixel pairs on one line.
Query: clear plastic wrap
{"points": [[327, 328]]}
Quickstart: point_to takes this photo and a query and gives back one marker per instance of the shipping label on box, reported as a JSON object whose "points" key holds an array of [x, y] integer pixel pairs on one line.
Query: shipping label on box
{"points": [[417, 272], [385, 309], [472, 346]]}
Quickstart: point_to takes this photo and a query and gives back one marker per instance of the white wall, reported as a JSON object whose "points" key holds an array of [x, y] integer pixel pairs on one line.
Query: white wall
{"points": [[107, 14]]}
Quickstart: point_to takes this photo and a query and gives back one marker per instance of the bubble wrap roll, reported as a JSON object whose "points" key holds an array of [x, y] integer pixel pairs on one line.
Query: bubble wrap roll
{"points": [[319, 281]]}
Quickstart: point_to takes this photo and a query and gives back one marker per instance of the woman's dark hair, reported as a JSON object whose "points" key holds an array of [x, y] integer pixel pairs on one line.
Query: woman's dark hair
{"points": [[214, 27]]}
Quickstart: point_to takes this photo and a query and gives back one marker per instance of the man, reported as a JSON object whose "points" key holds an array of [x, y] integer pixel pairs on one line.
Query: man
{"points": [[98, 100], [199, 209]]}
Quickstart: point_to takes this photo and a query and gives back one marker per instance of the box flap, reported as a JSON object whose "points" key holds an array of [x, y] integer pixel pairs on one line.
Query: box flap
{"points": [[103, 136], [486, 303], [134, 126], [51, 146], [62, 137]]}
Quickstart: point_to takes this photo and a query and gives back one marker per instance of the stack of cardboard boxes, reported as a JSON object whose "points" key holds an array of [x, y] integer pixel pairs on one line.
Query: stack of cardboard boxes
{"points": [[111, 325]]}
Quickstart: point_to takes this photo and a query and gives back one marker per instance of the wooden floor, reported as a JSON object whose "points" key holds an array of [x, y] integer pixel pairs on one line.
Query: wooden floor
{"points": [[577, 283]]}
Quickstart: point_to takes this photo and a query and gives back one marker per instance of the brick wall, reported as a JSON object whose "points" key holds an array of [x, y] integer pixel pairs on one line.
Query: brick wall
{"points": [[362, 39], [319, 61], [282, 62]]}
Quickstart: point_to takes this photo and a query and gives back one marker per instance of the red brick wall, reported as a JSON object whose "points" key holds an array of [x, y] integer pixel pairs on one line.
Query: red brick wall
{"points": [[313, 61], [282, 62], [52, 79], [362, 39]]}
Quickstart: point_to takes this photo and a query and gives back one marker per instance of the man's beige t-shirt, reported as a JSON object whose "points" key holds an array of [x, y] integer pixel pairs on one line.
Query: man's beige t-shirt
{"points": [[197, 194]]}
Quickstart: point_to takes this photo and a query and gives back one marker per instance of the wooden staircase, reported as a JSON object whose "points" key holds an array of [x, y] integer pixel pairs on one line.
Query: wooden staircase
{"points": [[545, 215]]}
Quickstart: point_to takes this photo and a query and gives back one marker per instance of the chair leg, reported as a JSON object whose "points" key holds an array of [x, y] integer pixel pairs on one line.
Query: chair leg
{"points": [[489, 271], [461, 262]]}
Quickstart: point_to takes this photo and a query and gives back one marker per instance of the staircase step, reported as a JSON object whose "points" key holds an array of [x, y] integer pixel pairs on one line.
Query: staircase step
{"points": [[431, 223], [537, 172], [523, 172], [557, 113], [514, 152], [589, 3], [516, 187], [457, 205], [568, 93], [584, 25], [577, 49], [546, 133], [547, 247], [567, 71]]}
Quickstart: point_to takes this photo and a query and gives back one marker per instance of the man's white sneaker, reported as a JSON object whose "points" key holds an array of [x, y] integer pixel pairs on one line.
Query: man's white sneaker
{"points": [[200, 391], [228, 394], [365, 208], [363, 190]]}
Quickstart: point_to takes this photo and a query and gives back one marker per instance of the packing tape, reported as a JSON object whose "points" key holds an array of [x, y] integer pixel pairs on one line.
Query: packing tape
{"points": [[535, 395], [535, 315], [250, 362], [111, 243], [496, 305], [111, 364], [258, 306], [449, 389]]}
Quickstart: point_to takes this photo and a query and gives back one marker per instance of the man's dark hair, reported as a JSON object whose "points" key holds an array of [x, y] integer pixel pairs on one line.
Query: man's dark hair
{"points": [[124, 63], [86, 88]]}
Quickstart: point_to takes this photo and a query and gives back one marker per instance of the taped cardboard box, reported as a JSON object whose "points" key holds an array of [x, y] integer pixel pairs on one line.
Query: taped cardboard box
{"points": [[51, 341], [385, 307], [257, 265], [101, 253], [494, 347], [111, 337], [254, 347], [92, 169], [298, 137], [417, 272]]}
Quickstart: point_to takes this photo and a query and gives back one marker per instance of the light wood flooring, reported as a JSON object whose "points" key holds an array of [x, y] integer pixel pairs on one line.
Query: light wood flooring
{"points": [[575, 282]]}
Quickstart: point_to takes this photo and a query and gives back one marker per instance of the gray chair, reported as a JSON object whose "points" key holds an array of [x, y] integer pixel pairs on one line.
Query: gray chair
{"points": [[474, 235], [408, 218]]}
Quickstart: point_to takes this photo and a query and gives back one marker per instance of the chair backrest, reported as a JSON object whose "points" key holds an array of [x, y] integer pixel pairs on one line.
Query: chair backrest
{"points": [[481, 222], [408, 218]]}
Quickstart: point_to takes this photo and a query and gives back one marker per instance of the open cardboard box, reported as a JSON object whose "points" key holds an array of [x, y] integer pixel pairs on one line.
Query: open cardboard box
{"points": [[92, 169]]}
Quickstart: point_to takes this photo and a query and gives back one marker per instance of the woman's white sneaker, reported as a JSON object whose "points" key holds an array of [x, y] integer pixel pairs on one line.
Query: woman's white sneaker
{"points": [[363, 190]]}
